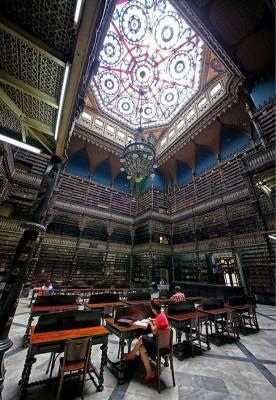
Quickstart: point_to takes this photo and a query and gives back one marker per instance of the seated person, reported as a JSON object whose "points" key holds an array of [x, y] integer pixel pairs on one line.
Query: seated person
{"points": [[177, 296], [146, 344], [163, 281], [47, 288]]}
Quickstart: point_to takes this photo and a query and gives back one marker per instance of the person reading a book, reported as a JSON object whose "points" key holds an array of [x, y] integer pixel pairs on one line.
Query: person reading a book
{"points": [[146, 344]]}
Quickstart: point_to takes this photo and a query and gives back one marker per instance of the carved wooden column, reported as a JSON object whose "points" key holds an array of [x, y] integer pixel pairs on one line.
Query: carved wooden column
{"points": [[193, 217], [255, 199], [74, 267], [37, 250], [5, 190], [23, 257], [249, 109], [150, 225], [172, 250], [110, 229], [132, 234]]}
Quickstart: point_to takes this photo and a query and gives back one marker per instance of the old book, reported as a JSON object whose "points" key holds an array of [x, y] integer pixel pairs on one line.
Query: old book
{"points": [[124, 322]]}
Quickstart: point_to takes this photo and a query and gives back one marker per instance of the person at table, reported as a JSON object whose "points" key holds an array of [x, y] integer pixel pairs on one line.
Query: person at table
{"points": [[163, 281], [146, 344], [177, 296], [47, 288]]}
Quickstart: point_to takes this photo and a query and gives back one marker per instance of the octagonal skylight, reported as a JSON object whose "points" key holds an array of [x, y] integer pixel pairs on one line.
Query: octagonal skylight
{"points": [[150, 64]]}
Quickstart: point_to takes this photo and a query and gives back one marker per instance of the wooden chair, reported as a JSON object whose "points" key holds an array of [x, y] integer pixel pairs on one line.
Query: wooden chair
{"points": [[54, 356], [228, 324], [164, 344], [249, 318], [76, 358]]}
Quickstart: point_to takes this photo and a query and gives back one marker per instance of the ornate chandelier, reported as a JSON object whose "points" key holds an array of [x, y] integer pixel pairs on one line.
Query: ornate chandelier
{"points": [[139, 157]]}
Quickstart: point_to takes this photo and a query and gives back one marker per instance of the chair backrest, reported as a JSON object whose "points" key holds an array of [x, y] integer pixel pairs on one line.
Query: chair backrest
{"points": [[134, 312], [209, 304], [180, 307], [77, 349], [64, 320], [104, 298], [164, 340], [59, 299], [236, 300], [139, 296]]}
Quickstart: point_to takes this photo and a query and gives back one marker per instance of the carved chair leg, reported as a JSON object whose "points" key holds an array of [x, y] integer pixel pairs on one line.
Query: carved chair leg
{"points": [[61, 377]]}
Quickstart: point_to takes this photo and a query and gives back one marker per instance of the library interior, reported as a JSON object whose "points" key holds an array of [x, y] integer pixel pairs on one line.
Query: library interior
{"points": [[137, 200]]}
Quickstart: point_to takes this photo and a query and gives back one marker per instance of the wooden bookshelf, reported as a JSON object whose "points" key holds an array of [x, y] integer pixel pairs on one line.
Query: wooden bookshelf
{"points": [[8, 244]]}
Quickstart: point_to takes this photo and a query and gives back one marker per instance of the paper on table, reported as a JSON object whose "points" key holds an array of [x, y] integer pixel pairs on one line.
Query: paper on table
{"points": [[142, 324]]}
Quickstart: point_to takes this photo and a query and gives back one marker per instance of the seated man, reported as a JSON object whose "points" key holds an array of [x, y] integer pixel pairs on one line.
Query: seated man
{"points": [[178, 296], [47, 288]]}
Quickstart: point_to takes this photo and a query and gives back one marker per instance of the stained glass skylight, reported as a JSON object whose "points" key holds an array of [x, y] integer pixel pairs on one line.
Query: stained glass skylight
{"points": [[150, 64]]}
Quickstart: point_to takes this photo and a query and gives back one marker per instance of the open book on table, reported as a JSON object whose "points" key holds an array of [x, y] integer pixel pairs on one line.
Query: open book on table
{"points": [[143, 323]]}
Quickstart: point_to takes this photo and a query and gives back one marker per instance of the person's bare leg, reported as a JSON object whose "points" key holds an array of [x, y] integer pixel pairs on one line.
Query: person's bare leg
{"points": [[145, 358], [136, 348]]}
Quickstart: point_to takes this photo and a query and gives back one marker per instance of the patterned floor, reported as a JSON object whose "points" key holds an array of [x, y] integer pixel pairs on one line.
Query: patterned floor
{"points": [[240, 371]]}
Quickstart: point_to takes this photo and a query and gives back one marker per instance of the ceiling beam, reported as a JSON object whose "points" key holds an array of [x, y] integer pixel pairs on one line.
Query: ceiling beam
{"points": [[28, 89], [77, 70], [11, 104], [14, 30], [41, 139], [30, 122], [40, 126]]}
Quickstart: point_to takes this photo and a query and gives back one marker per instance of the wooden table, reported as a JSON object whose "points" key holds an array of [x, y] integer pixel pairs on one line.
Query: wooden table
{"points": [[125, 334], [36, 311], [53, 341], [101, 306], [196, 299], [181, 321], [115, 304], [134, 302], [163, 301]]}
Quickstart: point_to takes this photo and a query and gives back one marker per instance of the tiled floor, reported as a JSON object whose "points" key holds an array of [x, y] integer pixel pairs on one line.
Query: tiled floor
{"points": [[241, 371]]}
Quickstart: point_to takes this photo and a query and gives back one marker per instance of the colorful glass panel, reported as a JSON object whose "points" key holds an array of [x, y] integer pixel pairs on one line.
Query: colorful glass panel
{"points": [[150, 64]]}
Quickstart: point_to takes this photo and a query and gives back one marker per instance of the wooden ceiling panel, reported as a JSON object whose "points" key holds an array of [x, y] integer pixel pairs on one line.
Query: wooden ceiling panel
{"points": [[257, 51], [209, 137], [168, 170], [50, 21], [235, 19], [96, 155], [115, 165], [76, 144], [187, 154], [237, 116]]}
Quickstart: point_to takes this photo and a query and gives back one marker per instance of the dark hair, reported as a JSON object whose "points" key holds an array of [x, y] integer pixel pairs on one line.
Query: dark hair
{"points": [[177, 288], [155, 306]]}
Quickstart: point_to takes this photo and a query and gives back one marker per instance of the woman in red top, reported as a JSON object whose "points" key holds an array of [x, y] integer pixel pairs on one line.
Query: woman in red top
{"points": [[146, 345]]}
